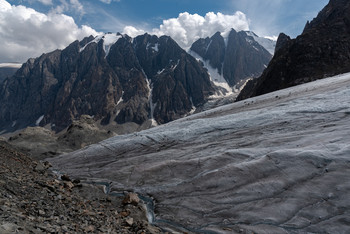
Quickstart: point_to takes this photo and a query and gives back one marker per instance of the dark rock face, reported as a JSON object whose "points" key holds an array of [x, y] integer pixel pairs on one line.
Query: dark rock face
{"points": [[122, 59], [242, 57], [322, 50], [177, 79], [212, 49], [110, 84], [282, 40]]}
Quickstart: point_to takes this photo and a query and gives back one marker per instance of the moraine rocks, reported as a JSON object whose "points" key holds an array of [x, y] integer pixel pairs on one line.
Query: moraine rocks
{"points": [[32, 200]]}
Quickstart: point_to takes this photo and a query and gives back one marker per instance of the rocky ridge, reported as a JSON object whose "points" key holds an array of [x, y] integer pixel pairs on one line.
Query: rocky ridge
{"points": [[235, 57], [115, 78], [41, 143], [33, 200], [322, 50]]}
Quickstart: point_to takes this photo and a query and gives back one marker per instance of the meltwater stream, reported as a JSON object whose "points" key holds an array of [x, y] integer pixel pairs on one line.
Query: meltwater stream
{"points": [[165, 225]]}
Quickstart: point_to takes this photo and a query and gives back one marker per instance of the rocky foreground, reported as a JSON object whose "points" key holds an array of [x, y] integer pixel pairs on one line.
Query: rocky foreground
{"points": [[33, 200]]}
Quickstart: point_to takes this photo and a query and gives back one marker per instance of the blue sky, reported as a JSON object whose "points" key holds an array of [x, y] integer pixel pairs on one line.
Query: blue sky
{"points": [[267, 16], [82, 17]]}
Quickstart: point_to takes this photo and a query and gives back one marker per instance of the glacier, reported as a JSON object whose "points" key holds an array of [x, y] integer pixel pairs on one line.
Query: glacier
{"points": [[276, 163]]}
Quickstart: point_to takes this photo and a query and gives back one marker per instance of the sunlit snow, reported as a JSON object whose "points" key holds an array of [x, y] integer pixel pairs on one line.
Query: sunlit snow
{"points": [[109, 39], [214, 74], [37, 122], [267, 43], [155, 47], [120, 99]]}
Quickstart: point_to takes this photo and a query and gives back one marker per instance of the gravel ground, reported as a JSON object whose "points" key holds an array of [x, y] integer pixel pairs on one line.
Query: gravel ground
{"points": [[33, 200]]}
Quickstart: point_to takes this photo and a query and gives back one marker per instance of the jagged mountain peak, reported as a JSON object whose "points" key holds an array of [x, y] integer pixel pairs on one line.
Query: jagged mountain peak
{"points": [[322, 50], [112, 77], [108, 40], [281, 41], [334, 14], [267, 43], [235, 56]]}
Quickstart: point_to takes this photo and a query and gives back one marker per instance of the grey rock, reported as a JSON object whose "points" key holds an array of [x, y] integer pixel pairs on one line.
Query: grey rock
{"points": [[129, 221], [282, 40], [238, 59], [65, 177], [27, 204], [131, 198], [322, 50], [7, 228], [40, 168], [60, 87]]}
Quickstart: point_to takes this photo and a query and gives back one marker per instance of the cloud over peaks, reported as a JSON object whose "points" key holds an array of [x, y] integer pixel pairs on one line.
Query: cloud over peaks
{"points": [[27, 33], [187, 28], [132, 31]]}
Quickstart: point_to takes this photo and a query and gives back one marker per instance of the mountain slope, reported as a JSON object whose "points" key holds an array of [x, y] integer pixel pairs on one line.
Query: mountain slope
{"points": [[323, 49], [237, 57], [275, 163], [112, 77]]}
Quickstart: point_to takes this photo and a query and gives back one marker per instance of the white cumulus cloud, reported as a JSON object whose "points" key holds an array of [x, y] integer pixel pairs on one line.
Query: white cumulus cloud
{"points": [[132, 31], [26, 33], [187, 28]]}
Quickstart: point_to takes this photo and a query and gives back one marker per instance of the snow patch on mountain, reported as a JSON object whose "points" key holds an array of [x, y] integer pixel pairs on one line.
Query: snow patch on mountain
{"points": [[120, 99], [215, 76], [206, 49], [155, 47], [37, 122], [151, 104], [267, 43], [109, 39]]}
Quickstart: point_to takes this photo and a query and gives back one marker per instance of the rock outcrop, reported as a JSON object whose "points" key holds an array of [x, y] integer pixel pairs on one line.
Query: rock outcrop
{"points": [[282, 40], [178, 82], [111, 77], [237, 57], [322, 50], [42, 143]]}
